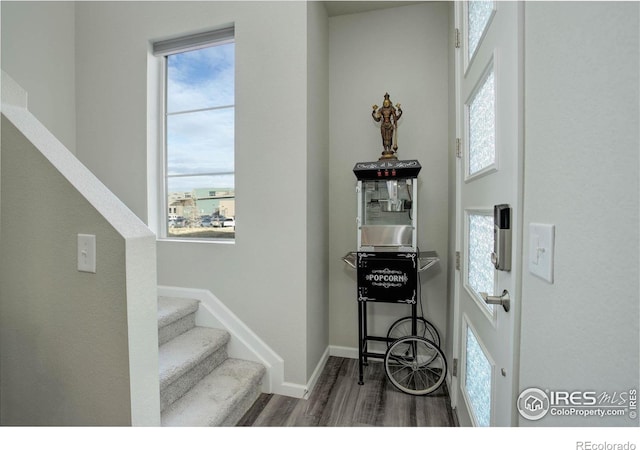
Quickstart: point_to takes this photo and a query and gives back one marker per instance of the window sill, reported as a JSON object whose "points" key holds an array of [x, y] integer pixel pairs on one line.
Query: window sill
{"points": [[196, 241]]}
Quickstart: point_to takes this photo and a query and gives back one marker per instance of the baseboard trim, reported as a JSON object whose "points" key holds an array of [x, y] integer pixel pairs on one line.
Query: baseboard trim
{"points": [[343, 352], [316, 373]]}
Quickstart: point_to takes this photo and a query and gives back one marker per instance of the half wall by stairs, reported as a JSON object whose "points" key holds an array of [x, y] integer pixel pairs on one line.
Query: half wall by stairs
{"points": [[76, 348]]}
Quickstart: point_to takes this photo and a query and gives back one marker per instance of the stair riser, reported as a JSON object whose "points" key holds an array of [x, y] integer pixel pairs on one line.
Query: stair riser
{"points": [[175, 390], [174, 329]]}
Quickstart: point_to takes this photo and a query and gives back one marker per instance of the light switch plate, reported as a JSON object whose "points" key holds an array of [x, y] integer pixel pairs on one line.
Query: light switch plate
{"points": [[541, 250], [87, 253]]}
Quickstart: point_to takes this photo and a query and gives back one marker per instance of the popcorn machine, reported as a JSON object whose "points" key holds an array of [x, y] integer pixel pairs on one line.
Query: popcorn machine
{"points": [[388, 264]]}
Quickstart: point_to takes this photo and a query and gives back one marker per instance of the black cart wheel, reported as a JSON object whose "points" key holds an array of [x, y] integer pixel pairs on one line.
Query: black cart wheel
{"points": [[415, 365], [424, 328]]}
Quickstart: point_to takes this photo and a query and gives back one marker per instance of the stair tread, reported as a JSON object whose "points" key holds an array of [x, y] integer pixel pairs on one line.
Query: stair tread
{"points": [[171, 309], [214, 397], [184, 352]]}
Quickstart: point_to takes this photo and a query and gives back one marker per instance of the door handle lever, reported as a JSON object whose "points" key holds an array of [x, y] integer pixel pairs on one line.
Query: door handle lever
{"points": [[503, 300]]}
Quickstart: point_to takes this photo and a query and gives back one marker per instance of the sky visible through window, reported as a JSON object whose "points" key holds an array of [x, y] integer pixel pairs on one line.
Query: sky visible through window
{"points": [[200, 129], [200, 118]]}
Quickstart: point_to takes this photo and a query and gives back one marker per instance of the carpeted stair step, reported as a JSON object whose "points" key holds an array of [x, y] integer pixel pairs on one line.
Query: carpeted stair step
{"points": [[219, 399], [175, 316], [187, 358]]}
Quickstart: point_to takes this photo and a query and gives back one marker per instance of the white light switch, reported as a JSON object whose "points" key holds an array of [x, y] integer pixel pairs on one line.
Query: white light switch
{"points": [[87, 253], [541, 246]]}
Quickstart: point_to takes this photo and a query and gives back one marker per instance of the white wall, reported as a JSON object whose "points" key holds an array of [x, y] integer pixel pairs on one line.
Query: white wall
{"points": [[317, 252], [43, 62], [581, 174], [266, 276], [402, 51], [38, 51]]}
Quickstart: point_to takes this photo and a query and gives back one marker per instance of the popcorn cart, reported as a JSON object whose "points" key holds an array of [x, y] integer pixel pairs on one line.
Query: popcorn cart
{"points": [[388, 264]]}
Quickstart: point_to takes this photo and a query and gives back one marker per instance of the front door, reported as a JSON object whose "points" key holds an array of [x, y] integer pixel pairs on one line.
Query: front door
{"points": [[489, 128]]}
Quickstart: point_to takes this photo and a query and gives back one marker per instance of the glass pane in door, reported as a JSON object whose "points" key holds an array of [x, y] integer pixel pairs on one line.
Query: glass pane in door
{"points": [[478, 375], [482, 126], [480, 269], [478, 18]]}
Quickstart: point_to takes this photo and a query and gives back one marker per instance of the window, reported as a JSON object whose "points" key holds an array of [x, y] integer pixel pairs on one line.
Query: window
{"points": [[199, 123]]}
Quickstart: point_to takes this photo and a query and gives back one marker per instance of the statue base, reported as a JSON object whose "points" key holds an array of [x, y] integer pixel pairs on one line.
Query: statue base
{"points": [[388, 155]]}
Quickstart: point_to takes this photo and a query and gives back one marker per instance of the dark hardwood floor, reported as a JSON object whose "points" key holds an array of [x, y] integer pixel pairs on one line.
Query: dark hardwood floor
{"points": [[338, 400]]}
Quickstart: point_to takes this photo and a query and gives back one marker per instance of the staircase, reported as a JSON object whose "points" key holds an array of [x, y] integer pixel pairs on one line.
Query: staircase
{"points": [[199, 384]]}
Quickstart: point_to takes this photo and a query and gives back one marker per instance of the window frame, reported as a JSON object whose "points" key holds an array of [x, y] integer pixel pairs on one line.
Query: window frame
{"points": [[161, 50]]}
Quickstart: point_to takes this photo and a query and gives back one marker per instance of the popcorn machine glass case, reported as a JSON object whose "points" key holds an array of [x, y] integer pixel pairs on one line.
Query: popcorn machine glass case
{"points": [[387, 212]]}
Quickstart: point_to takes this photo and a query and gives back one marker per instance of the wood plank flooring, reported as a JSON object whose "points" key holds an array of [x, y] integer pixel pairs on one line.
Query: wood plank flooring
{"points": [[337, 400]]}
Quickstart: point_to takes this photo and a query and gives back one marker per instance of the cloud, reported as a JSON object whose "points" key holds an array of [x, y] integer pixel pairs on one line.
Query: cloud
{"points": [[201, 141], [188, 184], [201, 79]]}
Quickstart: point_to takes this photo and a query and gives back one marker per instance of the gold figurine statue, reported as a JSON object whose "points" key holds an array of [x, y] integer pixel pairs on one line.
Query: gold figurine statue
{"points": [[389, 115]]}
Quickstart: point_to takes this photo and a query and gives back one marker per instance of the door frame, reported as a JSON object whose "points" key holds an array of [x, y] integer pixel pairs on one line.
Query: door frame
{"points": [[460, 69]]}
